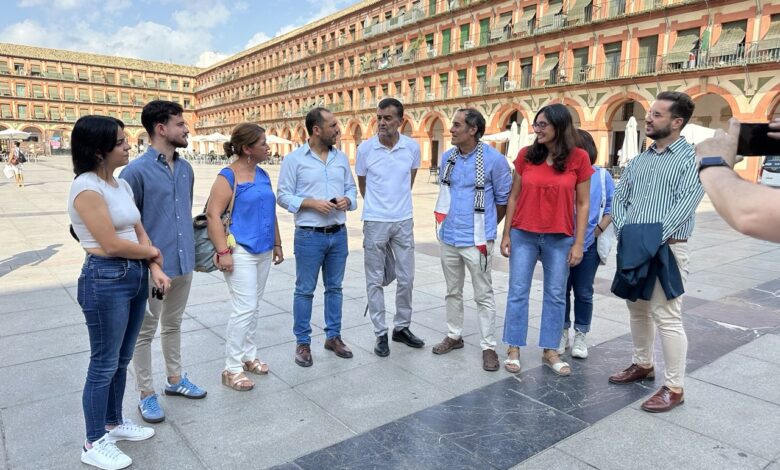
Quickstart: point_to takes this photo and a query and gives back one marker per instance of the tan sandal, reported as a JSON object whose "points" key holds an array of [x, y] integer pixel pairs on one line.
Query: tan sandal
{"points": [[558, 366], [237, 381], [256, 366], [512, 365]]}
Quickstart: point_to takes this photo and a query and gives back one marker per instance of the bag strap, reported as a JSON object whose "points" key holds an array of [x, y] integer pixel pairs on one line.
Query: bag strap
{"points": [[603, 175], [232, 199]]}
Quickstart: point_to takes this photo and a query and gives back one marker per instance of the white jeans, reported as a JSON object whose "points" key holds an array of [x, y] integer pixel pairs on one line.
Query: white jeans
{"points": [[246, 284], [454, 261]]}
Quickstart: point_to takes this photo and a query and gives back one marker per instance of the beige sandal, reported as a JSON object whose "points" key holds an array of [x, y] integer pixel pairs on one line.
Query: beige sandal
{"points": [[512, 365], [559, 367], [256, 366], [237, 381]]}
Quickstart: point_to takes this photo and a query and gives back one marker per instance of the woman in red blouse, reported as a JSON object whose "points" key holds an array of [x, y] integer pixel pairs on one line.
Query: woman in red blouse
{"points": [[551, 176]]}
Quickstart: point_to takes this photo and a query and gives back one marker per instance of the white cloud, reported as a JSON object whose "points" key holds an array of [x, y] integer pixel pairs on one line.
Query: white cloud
{"points": [[256, 39], [56, 4], [209, 58], [197, 15], [326, 7]]}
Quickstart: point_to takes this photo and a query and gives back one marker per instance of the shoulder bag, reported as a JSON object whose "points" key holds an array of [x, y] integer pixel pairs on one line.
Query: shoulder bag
{"points": [[204, 248]]}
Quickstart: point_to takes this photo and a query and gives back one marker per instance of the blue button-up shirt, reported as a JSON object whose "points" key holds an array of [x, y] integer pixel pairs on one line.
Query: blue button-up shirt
{"points": [[458, 227], [164, 198], [305, 176], [594, 212]]}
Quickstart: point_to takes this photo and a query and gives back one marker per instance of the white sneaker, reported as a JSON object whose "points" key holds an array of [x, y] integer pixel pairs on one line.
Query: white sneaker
{"points": [[106, 455], [580, 348], [564, 342], [129, 431]]}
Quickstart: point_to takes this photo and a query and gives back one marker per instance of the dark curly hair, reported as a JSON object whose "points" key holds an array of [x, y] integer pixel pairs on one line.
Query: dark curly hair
{"points": [[565, 141]]}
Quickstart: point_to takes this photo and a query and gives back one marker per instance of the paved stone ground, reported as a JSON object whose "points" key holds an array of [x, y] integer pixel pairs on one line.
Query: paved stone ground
{"points": [[356, 412]]}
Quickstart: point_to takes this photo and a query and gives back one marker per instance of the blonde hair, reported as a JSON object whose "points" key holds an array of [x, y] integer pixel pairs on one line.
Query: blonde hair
{"points": [[246, 133]]}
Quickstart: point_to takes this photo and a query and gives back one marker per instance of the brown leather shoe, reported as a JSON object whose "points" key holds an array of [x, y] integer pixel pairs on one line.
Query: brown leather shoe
{"points": [[489, 360], [633, 374], [447, 345], [337, 346], [303, 355], [663, 400]]}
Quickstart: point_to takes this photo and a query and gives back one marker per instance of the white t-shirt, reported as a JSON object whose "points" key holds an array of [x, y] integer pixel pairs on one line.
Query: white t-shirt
{"points": [[121, 207], [388, 175]]}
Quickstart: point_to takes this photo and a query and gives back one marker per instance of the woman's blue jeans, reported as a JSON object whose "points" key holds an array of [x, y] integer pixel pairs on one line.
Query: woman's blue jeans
{"points": [[315, 251], [581, 279], [112, 293], [553, 250]]}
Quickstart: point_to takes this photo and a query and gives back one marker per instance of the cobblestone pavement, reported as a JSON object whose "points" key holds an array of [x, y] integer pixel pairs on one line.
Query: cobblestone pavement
{"points": [[411, 409]]}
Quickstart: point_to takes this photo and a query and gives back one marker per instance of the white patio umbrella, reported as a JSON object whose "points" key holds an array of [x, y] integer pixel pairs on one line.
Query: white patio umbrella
{"points": [[198, 138], [630, 147], [216, 137], [525, 138], [695, 133], [497, 137], [514, 143], [274, 139], [13, 134]]}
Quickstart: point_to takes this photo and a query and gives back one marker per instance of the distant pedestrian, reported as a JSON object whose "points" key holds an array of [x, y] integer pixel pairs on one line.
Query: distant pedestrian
{"points": [[316, 184], [474, 185], [245, 260], [17, 164], [112, 288], [386, 166], [162, 185]]}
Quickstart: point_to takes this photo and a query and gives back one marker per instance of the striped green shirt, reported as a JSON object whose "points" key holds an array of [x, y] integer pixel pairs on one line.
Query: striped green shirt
{"points": [[660, 187]]}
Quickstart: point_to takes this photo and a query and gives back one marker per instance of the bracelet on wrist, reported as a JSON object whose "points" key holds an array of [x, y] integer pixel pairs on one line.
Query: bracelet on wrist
{"points": [[599, 226], [278, 246], [224, 252]]}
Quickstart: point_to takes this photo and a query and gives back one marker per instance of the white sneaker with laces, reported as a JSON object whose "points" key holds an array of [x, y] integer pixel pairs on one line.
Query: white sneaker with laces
{"points": [[129, 431], [564, 342], [106, 455], [580, 347]]}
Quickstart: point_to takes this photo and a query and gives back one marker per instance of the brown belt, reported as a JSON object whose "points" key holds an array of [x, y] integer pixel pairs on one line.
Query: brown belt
{"points": [[672, 241]]}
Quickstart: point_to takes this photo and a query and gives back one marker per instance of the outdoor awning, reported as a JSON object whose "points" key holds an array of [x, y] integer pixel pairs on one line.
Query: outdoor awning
{"points": [[728, 42], [54, 93], [35, 69], [577, 11], [151, 83], [4, 67], [83, 75], [544, 72], [38, 112], [69, 94], [550, 18], [501, 71], [498, 30], [5, 89], [771, 39], [70, 112], [6, 110], [528, 15], [67, 73], [54, 114], [682, 47]]}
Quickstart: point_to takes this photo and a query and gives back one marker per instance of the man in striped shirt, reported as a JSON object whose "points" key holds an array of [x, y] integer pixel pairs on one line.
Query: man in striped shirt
{"points": [[661, 185]]}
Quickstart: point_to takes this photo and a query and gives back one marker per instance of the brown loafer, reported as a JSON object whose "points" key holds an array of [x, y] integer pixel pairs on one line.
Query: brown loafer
{"points": [[489, 360], [303, 355], [634, 373], [663, 400], [337, 346], [447, 345]]}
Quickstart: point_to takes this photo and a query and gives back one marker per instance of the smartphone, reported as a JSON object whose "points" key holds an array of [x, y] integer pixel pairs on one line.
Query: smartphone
{"points": [[754, 141], [334, 200]]}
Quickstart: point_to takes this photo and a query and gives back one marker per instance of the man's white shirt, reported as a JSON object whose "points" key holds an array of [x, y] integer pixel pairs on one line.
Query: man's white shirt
{"points": [[388, 175]]}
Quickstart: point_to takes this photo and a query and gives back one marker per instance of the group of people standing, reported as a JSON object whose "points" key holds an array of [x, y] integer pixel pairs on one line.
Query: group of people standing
{"points": [[137, 232]]}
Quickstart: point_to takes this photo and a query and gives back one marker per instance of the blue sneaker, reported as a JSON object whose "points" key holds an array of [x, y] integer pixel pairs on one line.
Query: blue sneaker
{"points": [[150, 409], [185, 388]]}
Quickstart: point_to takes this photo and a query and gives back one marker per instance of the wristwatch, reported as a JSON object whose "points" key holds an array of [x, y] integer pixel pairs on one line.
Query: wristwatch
{"points": [[707, 162]]}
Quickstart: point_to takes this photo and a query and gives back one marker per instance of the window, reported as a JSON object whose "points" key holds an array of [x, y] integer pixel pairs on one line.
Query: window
{"points": [[648, 50], [5, 111], [110, 78], [186, 85], [186, 102], [54, 92], [83, 75], [526, 72], [37, 91], [444, 84], [462, 78], [21, 90], [67, 72], [83, 94], [612, 55], [68, 92], [5, 90], [19, 69], [175, 85], [38, 112], [580, 66], [464, 35], [21, 111], [99, 96], [484, 31], [445, 41]]}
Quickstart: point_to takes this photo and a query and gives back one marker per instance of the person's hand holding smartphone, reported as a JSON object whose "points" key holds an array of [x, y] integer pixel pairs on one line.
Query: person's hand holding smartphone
{"points": [[754, 140]]}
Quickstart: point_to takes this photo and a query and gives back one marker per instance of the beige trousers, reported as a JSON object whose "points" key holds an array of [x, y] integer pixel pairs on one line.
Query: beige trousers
{"points": [[168, 313], [666, 316], [454, 261]]}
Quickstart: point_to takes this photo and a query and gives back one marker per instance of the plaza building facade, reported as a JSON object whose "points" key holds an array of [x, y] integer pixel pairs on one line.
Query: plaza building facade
{"points": [[604, 59], [44, 91]]}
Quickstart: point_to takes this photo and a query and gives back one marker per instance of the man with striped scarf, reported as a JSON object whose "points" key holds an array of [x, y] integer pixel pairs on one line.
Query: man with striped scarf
{"points": [[474, 185]]}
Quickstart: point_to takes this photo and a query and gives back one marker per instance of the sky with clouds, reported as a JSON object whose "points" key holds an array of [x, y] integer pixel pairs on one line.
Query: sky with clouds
{"points": [[189, 32]]}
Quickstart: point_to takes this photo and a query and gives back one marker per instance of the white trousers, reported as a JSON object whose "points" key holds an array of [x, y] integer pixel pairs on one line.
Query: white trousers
{"points": [[246, 284]]}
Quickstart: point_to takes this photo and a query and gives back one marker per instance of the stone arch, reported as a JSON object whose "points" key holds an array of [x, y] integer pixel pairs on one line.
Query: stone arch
{"points": [[434, 131], [351, 137], [406, 128], [574, 107], [609, 131], [711, 111], [299, 134], [697, 91], [771, 102], [503, 115]]}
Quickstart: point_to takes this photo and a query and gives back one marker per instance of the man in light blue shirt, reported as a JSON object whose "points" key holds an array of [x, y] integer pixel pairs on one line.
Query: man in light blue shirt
{"points": [[316, 184], [475, 181], [162, 185], [386, 167]]}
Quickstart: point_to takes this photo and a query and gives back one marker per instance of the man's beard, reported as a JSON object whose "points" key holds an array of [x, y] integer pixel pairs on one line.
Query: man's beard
{"points": [[661, 133]]}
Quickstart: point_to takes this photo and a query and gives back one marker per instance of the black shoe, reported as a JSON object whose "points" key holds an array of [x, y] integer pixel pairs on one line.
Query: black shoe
{"points": [[404, 335], [381, 348]]}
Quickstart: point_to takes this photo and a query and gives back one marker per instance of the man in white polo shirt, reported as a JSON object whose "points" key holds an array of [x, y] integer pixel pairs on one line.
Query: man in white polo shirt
{"points": [[386, 166]]}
